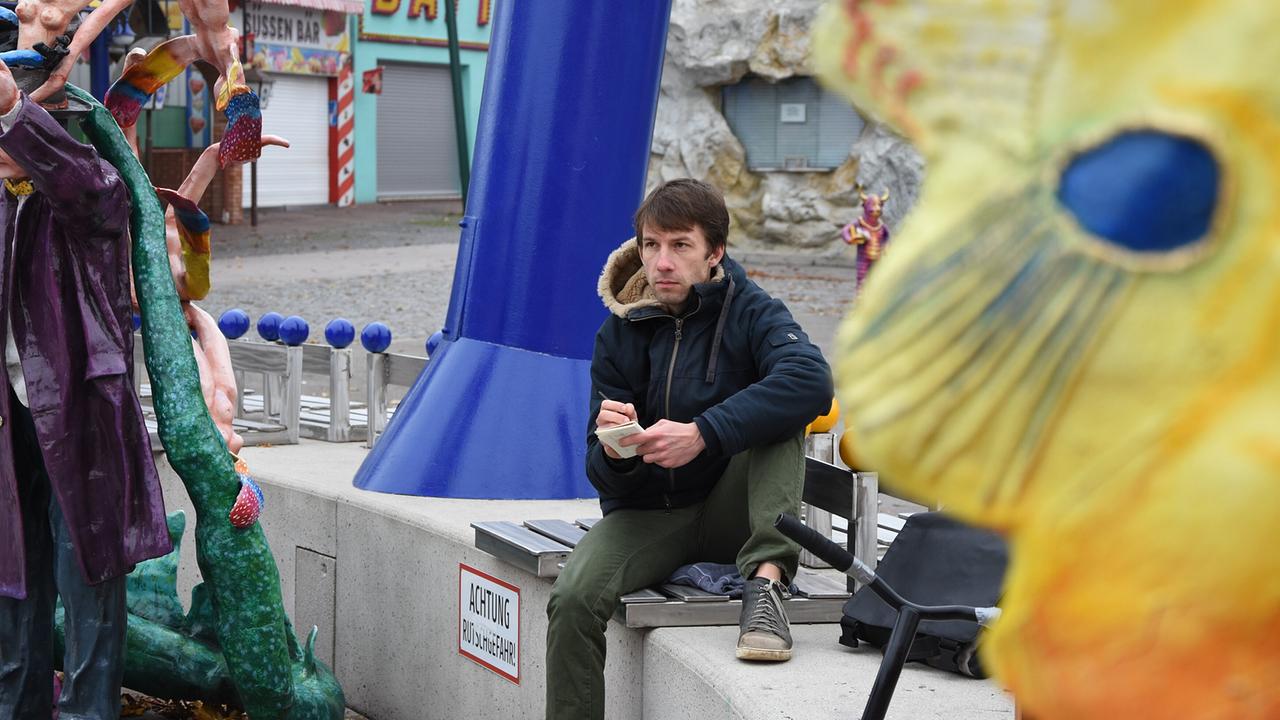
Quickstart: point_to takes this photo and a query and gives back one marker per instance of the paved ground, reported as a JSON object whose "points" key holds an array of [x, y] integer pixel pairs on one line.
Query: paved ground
{"points": [[394, 263]]}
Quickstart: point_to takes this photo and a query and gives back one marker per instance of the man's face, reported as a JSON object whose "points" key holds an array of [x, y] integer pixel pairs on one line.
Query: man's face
{"points": [[675, 261]]}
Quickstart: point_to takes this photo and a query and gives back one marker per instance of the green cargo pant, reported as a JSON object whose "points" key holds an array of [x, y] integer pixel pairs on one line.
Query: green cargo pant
{"points": [[633, 549]]}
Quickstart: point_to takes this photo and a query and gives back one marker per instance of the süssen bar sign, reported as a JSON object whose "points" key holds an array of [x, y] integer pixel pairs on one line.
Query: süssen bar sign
{"points": [[489, 622]]}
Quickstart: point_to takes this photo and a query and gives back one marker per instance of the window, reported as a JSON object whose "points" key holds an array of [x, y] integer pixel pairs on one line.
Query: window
{"points": [[792, 124]]}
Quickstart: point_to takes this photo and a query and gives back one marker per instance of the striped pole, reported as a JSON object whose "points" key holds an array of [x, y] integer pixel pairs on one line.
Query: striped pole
{"points": [[342, 138]]}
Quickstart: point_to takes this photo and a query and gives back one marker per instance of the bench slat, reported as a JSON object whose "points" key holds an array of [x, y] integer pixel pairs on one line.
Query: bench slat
{"points": [[259, 357], [562, 531], [688, 593], [586, 523], [685, 614], [890, 522], [820, 587], [647, 595]]}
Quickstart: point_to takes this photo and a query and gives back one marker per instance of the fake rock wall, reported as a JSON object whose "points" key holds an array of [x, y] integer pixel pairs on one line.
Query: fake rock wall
{"points": [[714, 43]]}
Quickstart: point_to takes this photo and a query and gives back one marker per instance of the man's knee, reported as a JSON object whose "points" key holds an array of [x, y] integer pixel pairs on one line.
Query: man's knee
{"points": [[570, 602]]}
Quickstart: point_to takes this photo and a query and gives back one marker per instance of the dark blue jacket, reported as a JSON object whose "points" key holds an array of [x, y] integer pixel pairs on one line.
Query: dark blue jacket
{"points": [[735, 362]]}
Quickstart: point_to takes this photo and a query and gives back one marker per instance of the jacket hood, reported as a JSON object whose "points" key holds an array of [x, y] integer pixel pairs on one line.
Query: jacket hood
{"points": [[623, 285]]}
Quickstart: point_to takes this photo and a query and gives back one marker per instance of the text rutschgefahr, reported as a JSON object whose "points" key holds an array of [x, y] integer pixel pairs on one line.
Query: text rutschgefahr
{"points": [[489, 605]]}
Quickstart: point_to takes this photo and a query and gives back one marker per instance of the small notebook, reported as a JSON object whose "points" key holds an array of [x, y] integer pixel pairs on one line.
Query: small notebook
{"points": [[611, 435]]}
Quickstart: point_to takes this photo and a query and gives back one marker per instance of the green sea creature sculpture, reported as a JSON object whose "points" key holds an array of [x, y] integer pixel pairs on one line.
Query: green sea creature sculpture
{"points": [[240, 599]]}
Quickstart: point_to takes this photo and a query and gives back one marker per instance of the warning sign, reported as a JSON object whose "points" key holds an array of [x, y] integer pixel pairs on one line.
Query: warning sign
{"points": [[489, 622]]}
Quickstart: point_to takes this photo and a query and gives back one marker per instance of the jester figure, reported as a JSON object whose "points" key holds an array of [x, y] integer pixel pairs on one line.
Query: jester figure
{"points": [[868, 233], [80, 499]]}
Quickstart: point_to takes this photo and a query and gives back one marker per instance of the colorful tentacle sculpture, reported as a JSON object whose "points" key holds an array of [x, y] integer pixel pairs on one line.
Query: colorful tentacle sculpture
{"points": [[272, 677], [242, 140]]}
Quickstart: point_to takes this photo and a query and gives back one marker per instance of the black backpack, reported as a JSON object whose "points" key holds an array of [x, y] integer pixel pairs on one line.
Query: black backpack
{"points": [[935, 560]]}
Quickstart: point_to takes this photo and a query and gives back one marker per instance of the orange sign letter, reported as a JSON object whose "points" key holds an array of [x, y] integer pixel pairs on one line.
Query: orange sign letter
{"points": [[416, 7]]}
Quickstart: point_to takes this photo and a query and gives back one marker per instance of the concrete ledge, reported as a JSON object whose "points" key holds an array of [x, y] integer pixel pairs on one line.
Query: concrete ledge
{"points": [[379, 575], [691, 672]]}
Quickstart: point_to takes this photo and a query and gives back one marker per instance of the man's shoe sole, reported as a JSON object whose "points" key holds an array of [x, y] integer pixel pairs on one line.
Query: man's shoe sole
{"points": [[750, 653]]}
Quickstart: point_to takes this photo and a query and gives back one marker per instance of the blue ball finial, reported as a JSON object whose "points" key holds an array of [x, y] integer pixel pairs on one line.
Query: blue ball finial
{"points": [[269, 326], [376, 337], [339, 332], [294, 330], [234, 323], [433, 342], [137, 322]]}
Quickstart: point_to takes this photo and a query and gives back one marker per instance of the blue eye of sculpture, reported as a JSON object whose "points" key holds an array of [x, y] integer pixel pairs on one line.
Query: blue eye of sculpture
{"points": [[1147, 191]]}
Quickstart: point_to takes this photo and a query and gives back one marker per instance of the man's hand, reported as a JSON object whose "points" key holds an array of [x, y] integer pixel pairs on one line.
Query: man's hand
{"points": [[9, 94], [614, 413], [668, 444]]}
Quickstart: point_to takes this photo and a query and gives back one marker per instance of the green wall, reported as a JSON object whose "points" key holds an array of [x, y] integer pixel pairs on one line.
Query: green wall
{"points": [[416, 40], [166, 126]]}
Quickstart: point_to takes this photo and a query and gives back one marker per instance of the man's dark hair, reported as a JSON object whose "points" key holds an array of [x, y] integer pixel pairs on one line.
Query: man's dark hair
{"points": [[682, 204]]}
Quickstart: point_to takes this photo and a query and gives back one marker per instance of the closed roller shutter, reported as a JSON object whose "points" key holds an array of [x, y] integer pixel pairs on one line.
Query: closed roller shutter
{"points": [[839, 125], [417, 147], [298, 111], [822, 139], [751, 109], [798, 141]]}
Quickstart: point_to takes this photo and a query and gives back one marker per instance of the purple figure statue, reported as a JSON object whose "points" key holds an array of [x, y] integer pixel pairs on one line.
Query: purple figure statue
{"points": [[80, 499], [868, 233]]}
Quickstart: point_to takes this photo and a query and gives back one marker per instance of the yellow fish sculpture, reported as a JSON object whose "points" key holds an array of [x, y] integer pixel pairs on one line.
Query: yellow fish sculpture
{"points": [[1077, 338]]}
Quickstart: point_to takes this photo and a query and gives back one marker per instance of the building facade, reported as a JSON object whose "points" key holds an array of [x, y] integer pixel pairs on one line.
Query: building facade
{"points": [[361, 89], [405, 138], [298, 57]]}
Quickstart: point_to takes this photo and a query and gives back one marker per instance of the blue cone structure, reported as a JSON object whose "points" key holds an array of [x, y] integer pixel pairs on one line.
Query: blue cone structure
{"points": [[560, 159]]}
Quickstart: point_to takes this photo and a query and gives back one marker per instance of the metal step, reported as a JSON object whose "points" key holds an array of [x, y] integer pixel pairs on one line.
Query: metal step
{"points": [[562, 531], [676, 613], [644, 596], [691, 594], [521, 547]]}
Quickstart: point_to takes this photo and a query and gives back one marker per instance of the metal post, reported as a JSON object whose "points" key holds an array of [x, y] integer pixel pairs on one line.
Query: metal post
{"points": [[291, 407], [375, 397], [146, 155], [895, 656], [253, 193], [100, 63], [551, 160], [820, 446], [864, 527], [459, 110], [245, 41], [339, 395]]}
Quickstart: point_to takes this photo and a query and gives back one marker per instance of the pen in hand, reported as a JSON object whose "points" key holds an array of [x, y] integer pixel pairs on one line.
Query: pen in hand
{"points": [[606, 397]]}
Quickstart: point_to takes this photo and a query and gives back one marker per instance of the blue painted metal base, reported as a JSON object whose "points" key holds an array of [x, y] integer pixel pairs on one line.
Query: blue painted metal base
{"points": [[467, 430]]}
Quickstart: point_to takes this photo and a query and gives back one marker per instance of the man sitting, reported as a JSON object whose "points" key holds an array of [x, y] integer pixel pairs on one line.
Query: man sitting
{"points": [[724, 381]]}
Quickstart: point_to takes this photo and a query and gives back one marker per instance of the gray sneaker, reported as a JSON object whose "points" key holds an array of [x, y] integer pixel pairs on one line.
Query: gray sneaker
{"points": [[764, 633]]}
